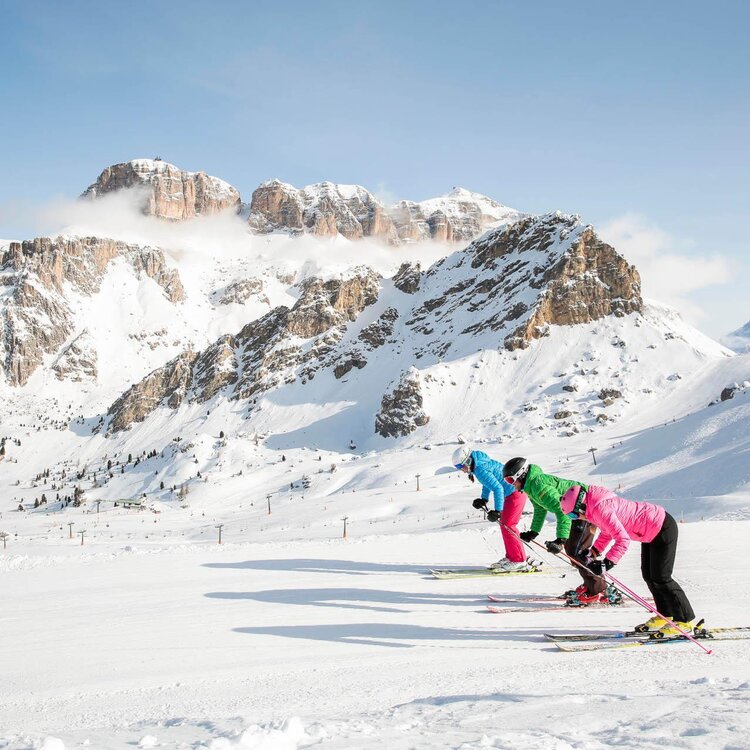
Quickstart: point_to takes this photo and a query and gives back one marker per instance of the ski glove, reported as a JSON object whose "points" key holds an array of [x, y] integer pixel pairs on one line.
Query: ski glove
{"points": [[528, 536], [479, 503], [555, 547], [493, 516], [598, 566]]}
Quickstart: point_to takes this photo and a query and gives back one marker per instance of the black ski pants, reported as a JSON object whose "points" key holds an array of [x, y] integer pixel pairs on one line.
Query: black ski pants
{"points": [[657, 562], [577, 546]]}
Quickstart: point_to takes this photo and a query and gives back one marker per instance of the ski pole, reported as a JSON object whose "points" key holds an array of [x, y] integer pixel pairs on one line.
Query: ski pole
{"points": [[640, 600], [609, 578], [580, 565]]}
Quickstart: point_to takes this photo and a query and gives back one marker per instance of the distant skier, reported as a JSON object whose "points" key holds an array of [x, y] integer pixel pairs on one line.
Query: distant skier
{"points": [[620, 521], [508, 503], [575, 537]]}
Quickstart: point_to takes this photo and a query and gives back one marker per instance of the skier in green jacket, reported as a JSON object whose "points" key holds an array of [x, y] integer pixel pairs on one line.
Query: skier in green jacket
{"points": [[575, 537]]}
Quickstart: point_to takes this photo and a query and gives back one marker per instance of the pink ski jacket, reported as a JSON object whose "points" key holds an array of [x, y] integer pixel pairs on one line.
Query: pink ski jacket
{"points": [[621, 520]]}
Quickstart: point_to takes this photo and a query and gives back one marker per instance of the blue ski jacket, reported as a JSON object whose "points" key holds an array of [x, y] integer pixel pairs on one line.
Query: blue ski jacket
{"points": [[490, 475]]}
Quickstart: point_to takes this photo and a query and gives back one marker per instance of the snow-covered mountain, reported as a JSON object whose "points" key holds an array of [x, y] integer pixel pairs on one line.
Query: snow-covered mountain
{"points": [[457, 216], [326, 210], [739, 340], [535, 332], [168, 191]]}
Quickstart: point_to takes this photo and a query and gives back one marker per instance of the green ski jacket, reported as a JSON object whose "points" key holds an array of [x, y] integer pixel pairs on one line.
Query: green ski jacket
{"points": [[545, 491]]}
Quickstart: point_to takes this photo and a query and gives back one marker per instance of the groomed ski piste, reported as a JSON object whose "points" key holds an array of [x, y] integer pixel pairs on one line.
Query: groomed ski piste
{"points": [[287, 635]]}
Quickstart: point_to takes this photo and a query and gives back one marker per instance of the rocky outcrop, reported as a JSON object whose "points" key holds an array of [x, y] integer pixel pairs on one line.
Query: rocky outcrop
{"points": [[408, 277], [515, 282], [280, 347], [325, 304], [36, 318], [458, 216], [376, 334], [323, 209], [78, 359], [165, 386], [588, 282], [401, 410], [371, 337], [241, 291], [326, 209], [169, 192], [609, 395]]}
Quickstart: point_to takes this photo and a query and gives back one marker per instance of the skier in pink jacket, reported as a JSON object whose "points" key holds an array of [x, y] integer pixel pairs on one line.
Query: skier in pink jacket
{"points": [[619, 521]]}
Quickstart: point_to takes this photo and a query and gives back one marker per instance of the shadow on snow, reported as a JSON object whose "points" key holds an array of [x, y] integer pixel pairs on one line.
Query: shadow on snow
{"points": [[343, 598], [313, 565], [390, 635]]}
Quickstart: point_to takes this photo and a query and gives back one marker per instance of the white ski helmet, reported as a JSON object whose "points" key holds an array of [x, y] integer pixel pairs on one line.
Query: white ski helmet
{"points": [[461, 456]]}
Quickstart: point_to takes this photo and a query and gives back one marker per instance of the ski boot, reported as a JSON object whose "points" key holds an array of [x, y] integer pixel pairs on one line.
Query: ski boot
{"points": [[651, 625], [670, 631], [613, 594], [573, 592]]}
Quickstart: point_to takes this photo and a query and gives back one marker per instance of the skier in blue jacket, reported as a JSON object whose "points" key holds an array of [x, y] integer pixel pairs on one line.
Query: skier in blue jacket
{"points": [[508, 502]]}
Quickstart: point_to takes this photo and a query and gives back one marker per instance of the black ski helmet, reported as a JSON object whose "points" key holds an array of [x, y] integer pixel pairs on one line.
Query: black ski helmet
{"points": [[515, 469]]}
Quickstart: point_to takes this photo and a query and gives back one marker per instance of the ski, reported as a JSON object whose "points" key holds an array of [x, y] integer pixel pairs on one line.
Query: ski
{"points": [[541, 599], [523, 598], [619, 634], [479, 572], [533, 608], [543, 606], [572, 647]]}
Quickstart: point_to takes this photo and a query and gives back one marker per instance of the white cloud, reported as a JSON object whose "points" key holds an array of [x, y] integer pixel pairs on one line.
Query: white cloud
{"points": [[667, 274], [118, 215]]}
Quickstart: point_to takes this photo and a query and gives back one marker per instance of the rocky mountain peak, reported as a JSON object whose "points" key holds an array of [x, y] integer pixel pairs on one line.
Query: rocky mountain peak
{"points": [[324, 209], [169, 192], [458, 216], [38, 277], [517, 280]]}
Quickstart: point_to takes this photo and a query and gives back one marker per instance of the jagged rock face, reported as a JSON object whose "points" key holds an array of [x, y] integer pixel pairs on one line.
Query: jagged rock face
{"points": [[78, 360], [168, 384], [518, 280], [323, 209], [36, 317], [170, 192], [408, 277], [505, 289], [277, 348], [326, 209], [325, 304], [371, 337], [241, 291], [401, 410], [589, 282]]}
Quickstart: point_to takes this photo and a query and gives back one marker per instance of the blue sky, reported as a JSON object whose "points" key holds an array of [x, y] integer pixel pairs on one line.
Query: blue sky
{"points": [[633, 112]]}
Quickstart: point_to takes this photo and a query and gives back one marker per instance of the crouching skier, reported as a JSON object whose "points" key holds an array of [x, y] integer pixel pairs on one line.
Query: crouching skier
{"points": [[620, 521], [575, 537], [508, 503]]}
